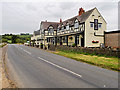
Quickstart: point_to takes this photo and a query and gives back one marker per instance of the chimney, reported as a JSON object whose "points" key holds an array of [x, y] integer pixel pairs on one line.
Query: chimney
{"points": [[45, 20], [81, 11], [60, 20]]}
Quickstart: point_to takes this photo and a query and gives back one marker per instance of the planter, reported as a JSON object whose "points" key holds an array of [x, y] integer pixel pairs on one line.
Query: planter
{"points": [[95, 41]]}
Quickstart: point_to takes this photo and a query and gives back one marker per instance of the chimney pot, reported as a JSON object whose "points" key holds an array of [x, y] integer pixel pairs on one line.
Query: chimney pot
{"points": [[81, 11], [60, 20]]}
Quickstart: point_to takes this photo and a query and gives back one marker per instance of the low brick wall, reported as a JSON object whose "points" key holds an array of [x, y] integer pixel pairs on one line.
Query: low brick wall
{"points": [[95, 51]]}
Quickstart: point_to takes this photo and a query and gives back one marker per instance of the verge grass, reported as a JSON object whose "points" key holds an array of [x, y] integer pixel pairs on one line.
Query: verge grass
{"points": [[2, 45], [111, 63]]}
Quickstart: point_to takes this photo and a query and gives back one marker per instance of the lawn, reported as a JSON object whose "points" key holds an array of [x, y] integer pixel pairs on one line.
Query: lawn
{"points": [[104, 62]]}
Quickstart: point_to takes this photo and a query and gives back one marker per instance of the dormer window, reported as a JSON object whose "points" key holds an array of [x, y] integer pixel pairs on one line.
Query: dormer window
{"points": [[62, 29], [58, 30], [67, 26], [50, 30], [76, 24]]}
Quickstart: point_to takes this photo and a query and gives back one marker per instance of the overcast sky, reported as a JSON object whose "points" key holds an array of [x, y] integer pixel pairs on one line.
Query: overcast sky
{"points": [[25, 16]]}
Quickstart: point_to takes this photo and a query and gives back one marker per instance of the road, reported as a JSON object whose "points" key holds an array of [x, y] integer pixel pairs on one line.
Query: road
{"points": [[35, 68]]}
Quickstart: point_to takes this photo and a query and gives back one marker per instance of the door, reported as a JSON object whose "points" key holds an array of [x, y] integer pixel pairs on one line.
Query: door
{"points": [[82, 41]]}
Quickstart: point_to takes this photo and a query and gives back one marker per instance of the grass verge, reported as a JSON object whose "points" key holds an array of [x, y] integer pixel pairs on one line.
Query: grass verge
{"points": [[2, 45], [110, 63]]}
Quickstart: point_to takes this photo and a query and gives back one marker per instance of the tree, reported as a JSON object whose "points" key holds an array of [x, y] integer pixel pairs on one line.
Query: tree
{"points": [[14, 37], [4, 40], [18, 40]]}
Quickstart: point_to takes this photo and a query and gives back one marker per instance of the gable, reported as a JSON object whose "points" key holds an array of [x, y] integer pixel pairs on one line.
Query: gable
{"points": [[96, 15]]}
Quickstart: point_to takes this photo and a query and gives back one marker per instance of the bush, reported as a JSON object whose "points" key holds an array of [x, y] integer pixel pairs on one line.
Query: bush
{"points": [[73, 45], [89, 51]]}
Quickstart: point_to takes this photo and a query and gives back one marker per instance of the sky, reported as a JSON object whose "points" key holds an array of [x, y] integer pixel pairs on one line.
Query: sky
{"points": [[24, 16]]}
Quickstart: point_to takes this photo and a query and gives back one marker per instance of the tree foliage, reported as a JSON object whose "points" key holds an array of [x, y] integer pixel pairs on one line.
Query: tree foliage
{"points": [[10, 38]]}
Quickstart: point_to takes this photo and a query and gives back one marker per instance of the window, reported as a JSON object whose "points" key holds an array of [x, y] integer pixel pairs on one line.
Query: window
{"points": [[95, 24], [62, 29], [91, 24], [76, 24], [77, 39], [99, 25], [47, 39], [64, 39], [58, 30], [50, 31], [67, 27]]}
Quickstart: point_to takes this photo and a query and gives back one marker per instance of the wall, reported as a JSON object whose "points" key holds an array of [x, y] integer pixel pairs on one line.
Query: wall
{"points": [[89, 31], [113, 40]]}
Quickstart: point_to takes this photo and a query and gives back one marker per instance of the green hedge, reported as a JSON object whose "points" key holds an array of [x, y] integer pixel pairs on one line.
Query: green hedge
{"points": [[91, 51]]}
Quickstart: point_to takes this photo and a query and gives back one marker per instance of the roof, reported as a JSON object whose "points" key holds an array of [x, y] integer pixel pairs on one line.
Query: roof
{"points": [[81, 18], [37, 32], [118, 31], [45, 24]]}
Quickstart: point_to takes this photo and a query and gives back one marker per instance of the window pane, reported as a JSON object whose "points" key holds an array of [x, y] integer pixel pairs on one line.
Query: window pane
{"points": [[76, 25], [67, 27], [99, 25], [96, 24], [91, 24]]}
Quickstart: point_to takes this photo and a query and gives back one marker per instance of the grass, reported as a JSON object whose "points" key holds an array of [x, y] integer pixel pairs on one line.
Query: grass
{"points": [[2, 45], [104, 62]]}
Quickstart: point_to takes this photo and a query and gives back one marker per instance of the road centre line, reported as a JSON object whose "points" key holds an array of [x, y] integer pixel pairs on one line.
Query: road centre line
{"points": [[25, 50], [55, 64], [60, 67]]}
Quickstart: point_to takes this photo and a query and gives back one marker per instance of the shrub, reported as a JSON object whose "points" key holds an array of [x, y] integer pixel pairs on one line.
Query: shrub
{"points": [[73, 45]]}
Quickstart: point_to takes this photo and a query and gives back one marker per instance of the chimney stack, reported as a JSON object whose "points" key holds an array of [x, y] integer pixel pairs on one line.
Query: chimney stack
{"points": [[81, 11], [60, 20]]}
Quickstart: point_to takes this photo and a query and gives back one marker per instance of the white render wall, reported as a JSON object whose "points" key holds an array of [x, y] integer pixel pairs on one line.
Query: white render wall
{"points": [[89, 31]]}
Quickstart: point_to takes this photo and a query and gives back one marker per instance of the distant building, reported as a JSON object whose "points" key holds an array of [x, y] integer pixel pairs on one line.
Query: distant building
{"points": [[112, 39], [85, 30]]}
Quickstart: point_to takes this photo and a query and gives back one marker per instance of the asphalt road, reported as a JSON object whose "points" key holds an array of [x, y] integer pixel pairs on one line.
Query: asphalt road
{"points": [[35, 68]]}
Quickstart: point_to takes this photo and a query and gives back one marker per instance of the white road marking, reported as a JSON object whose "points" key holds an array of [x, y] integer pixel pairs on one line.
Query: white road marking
{"points": [[60, 67], [25, 50]]}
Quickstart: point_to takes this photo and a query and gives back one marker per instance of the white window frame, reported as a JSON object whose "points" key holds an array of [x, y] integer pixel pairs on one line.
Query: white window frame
{"points": [[50, 30], [62, 29], [67, 26], [76, 24]]}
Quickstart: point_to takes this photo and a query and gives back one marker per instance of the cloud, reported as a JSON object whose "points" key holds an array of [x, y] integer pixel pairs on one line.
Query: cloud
{"points": [[26, 16], [119, 15], [67, 5], [31, 7]]}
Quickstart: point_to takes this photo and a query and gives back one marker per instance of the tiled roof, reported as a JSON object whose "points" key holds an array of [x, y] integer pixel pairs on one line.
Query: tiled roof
{"points": [[45, 24], [81, 18], [37, 32]]}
